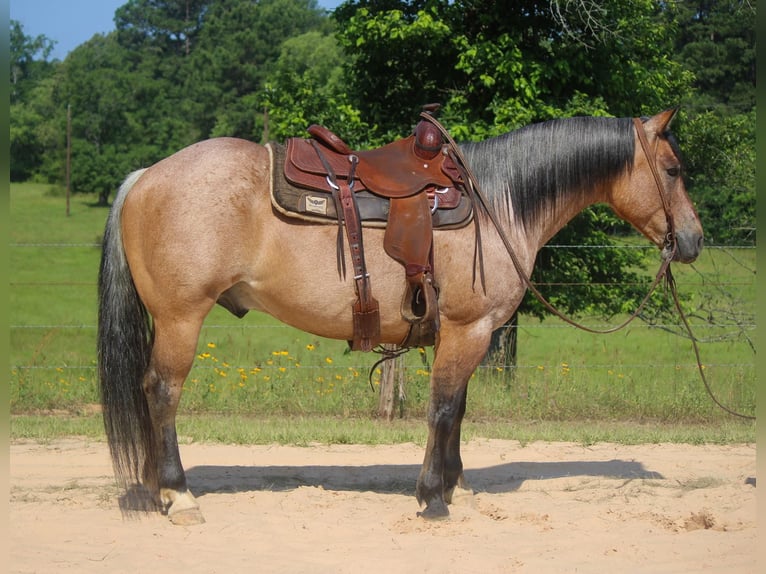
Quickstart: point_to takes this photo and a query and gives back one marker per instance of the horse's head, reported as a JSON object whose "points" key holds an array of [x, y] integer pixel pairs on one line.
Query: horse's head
{"points": [[654, 197]]}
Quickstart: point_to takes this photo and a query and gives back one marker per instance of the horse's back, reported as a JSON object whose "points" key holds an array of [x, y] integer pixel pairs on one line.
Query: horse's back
{"points": [[194, 169], [203, 173]]}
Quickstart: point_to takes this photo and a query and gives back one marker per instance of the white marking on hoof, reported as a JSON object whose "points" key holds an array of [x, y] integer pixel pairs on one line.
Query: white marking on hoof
{"points": [[184, 509], [188, 517], [463, 497]]}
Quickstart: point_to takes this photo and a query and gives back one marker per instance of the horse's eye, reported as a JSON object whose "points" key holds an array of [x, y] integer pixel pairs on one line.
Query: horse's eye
{"points": [[674, 171]]}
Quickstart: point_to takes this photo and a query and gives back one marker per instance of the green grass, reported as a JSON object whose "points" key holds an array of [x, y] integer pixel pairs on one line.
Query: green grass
{"points": [[306, 430], [257, 369]]}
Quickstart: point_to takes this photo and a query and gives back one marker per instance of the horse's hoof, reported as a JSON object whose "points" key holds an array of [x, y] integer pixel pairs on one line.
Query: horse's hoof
{"points": [[186, 517], [435, 511], [183, 509]]}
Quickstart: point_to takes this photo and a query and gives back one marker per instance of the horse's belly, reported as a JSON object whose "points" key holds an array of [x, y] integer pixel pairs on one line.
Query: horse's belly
{"points": [[323, 309]]}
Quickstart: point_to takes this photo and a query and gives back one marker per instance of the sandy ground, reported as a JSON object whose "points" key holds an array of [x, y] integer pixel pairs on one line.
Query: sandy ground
{"points": [[540, 508]]}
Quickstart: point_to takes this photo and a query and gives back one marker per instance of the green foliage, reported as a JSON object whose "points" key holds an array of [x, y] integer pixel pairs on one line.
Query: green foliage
{"points": [[306, 87], [498, 66], [400, 60], [167, 26], [30, 74], [720, 165], [598, 275], [28, 59], [238, 47], [129, 122], [716, 41], [172, 73]]}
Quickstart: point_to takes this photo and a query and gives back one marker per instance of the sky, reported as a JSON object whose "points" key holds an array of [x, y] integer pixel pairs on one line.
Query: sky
{"points": [[71, 22]]}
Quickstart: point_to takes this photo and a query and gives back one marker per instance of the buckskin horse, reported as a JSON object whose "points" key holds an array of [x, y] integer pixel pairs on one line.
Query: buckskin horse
{"points": [[199, 228]]}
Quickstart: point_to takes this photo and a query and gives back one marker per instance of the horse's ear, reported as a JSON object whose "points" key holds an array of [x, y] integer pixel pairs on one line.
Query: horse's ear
{"points": [[659, 123]]}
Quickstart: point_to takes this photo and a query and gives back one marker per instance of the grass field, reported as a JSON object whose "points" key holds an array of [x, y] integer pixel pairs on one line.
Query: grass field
{"points": [[642, 380]]}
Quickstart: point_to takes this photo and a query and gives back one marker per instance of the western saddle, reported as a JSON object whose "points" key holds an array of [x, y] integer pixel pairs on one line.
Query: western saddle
{"points": [[417, 176]]}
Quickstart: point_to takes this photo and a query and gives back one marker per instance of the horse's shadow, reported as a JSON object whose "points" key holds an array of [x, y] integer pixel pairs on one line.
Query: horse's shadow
{"points": [[381, 478], [398, 478]]}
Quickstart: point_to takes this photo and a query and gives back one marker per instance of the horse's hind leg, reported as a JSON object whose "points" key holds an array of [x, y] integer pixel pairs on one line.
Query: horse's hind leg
{"points": [[172, 356]]}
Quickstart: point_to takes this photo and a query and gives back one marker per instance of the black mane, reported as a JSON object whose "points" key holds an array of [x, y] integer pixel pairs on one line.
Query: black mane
{"points": [[541, 165]]}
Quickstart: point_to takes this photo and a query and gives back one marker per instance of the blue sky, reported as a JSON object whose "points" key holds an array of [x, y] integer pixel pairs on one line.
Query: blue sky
{"points": [[71, 22]]}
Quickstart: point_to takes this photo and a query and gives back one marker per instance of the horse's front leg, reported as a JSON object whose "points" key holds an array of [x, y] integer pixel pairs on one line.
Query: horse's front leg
{"points": [[443, 414], [453, 463], [456, 359]]}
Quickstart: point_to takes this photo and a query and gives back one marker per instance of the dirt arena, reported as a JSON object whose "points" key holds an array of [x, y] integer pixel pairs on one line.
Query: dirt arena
{"points": [[540, 508]]}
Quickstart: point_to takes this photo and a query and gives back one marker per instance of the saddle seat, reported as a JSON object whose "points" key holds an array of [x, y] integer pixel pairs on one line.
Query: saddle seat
{"points": [[393, 171], [416, 174]]}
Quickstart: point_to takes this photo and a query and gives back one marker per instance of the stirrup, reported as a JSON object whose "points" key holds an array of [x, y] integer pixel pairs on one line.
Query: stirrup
{"points": [[420, 301]]}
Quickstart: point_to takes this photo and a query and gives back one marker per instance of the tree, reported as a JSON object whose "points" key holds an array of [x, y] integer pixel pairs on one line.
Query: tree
{"points": [[716, 41], [306, 87], [30, 73], [400, 56], [128, 110], [498, 66], [174, 72], [238, 46], [101, 130], [720, 163], [28, 59], [170, 26]]}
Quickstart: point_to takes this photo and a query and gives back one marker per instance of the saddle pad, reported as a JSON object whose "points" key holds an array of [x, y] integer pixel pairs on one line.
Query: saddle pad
{"points": [[318, 206]]}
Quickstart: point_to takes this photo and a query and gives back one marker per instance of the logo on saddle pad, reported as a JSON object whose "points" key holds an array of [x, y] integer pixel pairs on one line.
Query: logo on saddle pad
{"points": [[316, 204]]}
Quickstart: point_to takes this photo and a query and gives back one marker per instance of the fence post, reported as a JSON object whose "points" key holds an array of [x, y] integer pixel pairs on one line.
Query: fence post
{"points": [[502, 351], [392, 372]]}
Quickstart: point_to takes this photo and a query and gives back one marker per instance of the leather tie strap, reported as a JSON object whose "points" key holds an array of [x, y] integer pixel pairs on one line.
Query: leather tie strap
{"points": [[366, 316]]}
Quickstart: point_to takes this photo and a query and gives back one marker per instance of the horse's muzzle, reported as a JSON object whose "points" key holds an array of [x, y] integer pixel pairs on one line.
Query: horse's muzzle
{"points": [[688, 247]]}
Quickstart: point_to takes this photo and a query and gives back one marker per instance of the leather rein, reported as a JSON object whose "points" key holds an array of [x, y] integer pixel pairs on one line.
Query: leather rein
{"points": [[668, 249]]}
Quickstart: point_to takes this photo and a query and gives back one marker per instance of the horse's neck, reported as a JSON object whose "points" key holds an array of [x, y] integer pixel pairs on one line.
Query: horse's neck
{"points": [[565, 211]]}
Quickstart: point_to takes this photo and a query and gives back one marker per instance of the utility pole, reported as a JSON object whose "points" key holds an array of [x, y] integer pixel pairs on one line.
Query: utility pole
{"points": [[68, 153]]}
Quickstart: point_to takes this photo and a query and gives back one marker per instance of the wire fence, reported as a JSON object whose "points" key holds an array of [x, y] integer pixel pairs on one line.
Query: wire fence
{"points": [[725, 292]]}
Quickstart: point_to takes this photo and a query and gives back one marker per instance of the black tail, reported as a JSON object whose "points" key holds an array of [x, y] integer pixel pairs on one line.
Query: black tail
{"points": [[125, 338]]}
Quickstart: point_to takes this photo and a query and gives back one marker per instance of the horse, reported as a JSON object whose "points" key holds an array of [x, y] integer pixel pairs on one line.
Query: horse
{"points": [[198, 229]]}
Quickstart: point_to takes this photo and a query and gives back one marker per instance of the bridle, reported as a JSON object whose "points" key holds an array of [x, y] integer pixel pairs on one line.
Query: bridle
{"points": [[669, 247], [669, 244]]}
